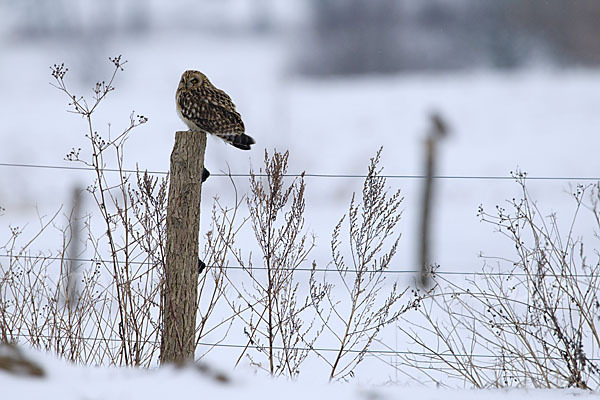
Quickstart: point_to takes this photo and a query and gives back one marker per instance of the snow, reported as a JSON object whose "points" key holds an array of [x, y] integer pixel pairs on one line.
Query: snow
{"points": [[64, 381]]}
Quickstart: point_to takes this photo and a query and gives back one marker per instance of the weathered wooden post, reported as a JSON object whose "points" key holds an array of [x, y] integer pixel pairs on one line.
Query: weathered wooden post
{"points": [[180, 289], [438, 130]]}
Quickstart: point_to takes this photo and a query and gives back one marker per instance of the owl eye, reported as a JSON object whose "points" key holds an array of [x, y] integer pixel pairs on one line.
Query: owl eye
{"points": [[194, 81]]}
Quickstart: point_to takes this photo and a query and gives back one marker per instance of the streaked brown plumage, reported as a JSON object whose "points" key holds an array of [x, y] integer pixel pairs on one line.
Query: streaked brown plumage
{"points": [[203, 107]]}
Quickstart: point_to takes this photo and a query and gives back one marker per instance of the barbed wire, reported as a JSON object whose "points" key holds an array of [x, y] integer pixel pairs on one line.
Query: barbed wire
{"points": [[316, 175], [295, 348]]}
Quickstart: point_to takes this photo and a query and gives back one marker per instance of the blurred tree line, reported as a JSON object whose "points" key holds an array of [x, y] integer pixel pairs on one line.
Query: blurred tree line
{"points": [[37, 19], [357, 36], [345, 36]]}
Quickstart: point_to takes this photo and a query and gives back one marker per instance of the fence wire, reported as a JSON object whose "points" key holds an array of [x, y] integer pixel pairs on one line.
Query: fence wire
{"points": [[316, 175], [310, 348], [299, 269]]}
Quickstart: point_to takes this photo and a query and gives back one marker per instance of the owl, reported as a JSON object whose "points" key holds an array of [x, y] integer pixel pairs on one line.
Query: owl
{"points": [[205, 108]]}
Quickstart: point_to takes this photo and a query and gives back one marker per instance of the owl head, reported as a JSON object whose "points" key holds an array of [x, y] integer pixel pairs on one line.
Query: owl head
{"points": [[192, 79]]}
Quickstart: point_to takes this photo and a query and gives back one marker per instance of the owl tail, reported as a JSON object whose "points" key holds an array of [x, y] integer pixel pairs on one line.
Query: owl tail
{"points": [[239, 140]]}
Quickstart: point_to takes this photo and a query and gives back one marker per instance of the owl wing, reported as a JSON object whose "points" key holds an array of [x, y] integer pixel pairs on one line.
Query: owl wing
{"points": [[212, 110]]}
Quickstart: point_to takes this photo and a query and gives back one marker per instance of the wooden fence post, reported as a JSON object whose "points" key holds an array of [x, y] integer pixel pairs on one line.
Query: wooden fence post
{"points": [[438, 130], [180, 289]]}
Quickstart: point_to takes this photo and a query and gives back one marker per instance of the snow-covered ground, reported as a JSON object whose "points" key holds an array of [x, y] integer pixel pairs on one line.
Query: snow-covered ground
{"points": [[65, 382]]}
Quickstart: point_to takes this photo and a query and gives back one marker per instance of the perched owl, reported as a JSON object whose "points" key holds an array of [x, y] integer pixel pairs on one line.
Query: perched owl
{"points": [[205, 108]]}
